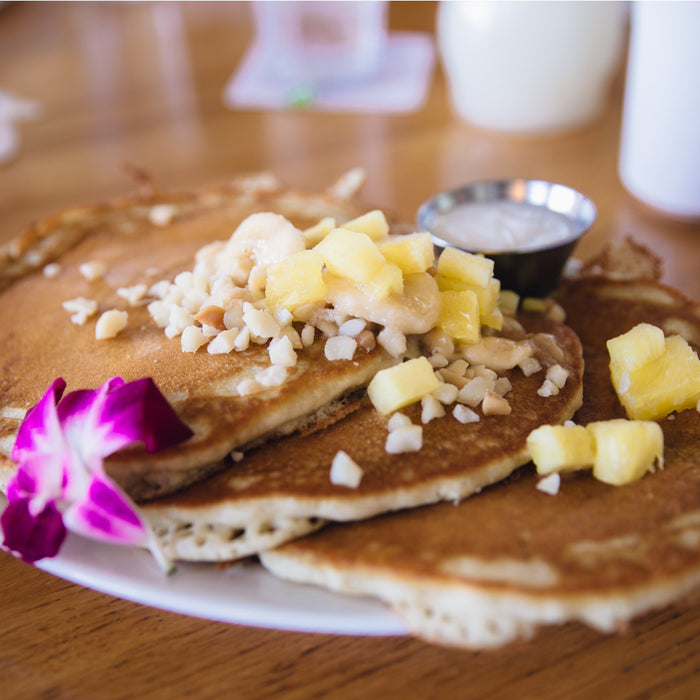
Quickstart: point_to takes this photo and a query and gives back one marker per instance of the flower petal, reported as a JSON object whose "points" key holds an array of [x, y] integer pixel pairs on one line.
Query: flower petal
{"points": [[106, 514], [41, 425], [138, 412], [32, 537], [100, 422]]}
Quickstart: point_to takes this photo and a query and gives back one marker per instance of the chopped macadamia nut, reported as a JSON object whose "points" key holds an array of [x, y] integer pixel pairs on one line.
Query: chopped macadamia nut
{"points": [[242, 341], [281, 352], [530, 366], [474, 392], [308, 333], [558, 375], [211, 315], [93, 270], [133, 295], [192, 339], [398, 420], [81, 308], [502, 386], [432, 408], [456, 380], [464, 414], [352, 327], [345, 471], [550, 484], [495, 405], [51, 270], [406, 439], [237, 456], [366, 340], [283, 316], [393, 341], [261, 323], [446, 393], [548, 388], [458, 367], [223, 343], [438, 360], [483, 371], [294, 338], [340, 347], [161, 214], [110, 323]]}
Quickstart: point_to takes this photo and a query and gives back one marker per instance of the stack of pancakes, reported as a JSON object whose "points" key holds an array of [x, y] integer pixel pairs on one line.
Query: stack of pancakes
{"points": [[512, 558], [475, 572]]}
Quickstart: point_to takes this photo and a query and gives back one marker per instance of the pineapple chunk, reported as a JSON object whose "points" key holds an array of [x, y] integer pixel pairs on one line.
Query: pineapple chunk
{"points": [[508, 301], [625, 450], [296, 280], [315, 234], [670, 382], [412, 253], [555, 448], [388, 280], [637, 347], [373, 224], [489, 313], [474, 270], [459, 315], [401, 385], [350, 254]]}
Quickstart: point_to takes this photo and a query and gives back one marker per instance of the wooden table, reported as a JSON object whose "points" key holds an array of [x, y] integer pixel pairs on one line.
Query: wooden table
{"points": [[142, 83]]}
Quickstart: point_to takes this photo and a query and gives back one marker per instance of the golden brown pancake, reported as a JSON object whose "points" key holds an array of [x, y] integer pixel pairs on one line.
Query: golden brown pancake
{"points": [[39, 342], [510, 559], [283, 488]]}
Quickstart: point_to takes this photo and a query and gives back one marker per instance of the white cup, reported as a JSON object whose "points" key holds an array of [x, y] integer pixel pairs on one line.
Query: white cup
{"points": [[659, 160], [530, 67]]}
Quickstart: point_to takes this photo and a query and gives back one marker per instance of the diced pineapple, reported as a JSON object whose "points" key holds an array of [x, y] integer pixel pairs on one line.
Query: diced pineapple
{"points": [[412, 253], [474, 270], [493, 320], [489, 313], [670, 382], [350, 254], [637, 347], [388, 280], [459, 315], [395, 387], [296, 280], [534, 305], [508, 301], [625, 450], [373, 223], [315, 234], [555, 448]]}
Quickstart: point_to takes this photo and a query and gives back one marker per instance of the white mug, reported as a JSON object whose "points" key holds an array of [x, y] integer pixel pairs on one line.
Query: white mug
{"points": [[530, 67], [659, 160]]}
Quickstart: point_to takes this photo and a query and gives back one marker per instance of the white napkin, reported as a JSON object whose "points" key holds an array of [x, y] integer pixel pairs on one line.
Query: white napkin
{"points": [[13, 110], [400, 86]]}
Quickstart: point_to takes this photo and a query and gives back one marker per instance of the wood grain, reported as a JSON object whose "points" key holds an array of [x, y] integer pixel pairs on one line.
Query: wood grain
{"points": [[141, 83]]}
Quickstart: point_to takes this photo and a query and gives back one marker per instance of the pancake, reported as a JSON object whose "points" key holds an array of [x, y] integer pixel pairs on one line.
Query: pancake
{"points": [[142, 240], [281, 488], [511, 559]]}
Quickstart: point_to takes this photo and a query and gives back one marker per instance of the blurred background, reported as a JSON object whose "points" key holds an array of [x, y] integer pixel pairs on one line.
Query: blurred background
{"points": [[175, 88]]}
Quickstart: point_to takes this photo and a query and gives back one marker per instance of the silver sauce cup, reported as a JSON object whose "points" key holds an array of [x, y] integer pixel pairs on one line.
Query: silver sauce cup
{"points": [[527, 270]]}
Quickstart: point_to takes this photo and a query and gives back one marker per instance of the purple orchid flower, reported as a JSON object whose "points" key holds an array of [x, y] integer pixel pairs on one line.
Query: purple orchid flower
{"points": [[61, 484]]}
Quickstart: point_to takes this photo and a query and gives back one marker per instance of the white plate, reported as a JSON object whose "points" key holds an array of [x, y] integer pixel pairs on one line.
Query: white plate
{"points": [[245, 595]]}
